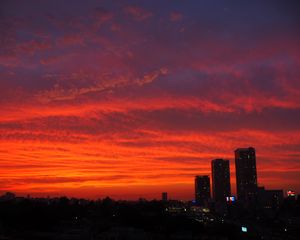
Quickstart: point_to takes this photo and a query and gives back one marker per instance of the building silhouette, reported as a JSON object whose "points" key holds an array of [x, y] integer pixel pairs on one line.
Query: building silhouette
{"points": [[246, 176], [269, 199], [202, 189], [220, 179], [164, 196]]}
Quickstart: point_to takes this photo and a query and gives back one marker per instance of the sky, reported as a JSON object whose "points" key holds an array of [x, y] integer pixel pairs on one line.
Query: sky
{"points": [[129, 99]]}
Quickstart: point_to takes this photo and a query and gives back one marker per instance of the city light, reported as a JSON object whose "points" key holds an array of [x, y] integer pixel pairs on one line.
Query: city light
{"points": [[230, 199], [291, 193]]}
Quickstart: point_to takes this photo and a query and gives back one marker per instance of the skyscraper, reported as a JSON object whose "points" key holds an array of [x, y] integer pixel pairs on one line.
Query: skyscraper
{"points": [[202, 189], [164, 196], [246, 177], [220, 179]]}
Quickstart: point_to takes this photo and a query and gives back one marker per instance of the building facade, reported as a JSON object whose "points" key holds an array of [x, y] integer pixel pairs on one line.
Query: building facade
{"points": [[164, 196], [202, 189], [269, 199], [246, 175], [220, 171]]}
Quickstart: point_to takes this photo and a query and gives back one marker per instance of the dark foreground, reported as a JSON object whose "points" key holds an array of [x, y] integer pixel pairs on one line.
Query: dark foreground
{"points": [[63, 219]]}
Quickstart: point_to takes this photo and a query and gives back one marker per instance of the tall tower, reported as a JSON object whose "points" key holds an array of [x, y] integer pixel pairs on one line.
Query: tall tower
{"points": [[220, 179], [246, 176], [164, 196], [202, 189]]}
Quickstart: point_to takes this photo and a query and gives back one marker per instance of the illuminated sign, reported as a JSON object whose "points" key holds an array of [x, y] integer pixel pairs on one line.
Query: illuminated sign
{"points": [[230, 199], [244, 229], [291, 193]]}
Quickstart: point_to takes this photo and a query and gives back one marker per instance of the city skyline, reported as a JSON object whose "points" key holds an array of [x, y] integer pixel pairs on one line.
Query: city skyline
{"points": [[130, 99]]}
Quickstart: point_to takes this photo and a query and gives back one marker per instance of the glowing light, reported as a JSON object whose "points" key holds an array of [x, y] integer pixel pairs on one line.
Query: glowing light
{"points": [[291, 193], [230, 199]]}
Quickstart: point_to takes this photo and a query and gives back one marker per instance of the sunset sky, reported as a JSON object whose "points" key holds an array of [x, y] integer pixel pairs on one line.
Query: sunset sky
{"points": [[133, 98]]}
